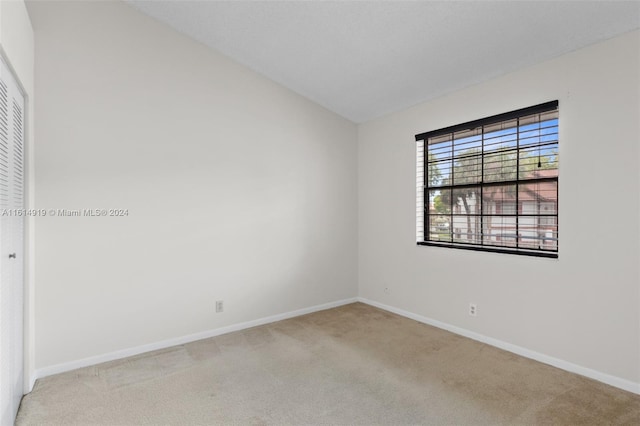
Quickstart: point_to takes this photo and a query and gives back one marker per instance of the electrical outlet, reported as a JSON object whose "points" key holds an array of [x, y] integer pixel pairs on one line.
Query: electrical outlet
{"points": [[219, 306], [473, 309], [387, 290]]}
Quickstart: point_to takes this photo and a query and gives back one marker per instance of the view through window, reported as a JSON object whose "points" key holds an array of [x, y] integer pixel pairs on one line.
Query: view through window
{"points": [[491, 184]]}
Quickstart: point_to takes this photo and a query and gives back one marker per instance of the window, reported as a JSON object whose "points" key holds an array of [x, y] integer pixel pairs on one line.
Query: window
{"points": [[491, 184]]}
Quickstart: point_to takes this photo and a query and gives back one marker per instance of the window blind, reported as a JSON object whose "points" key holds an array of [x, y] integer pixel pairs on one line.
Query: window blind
{"points": [[491, 184]]}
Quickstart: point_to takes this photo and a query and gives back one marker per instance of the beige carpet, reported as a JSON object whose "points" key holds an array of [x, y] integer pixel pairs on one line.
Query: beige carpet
{"points": [[350, 365]]}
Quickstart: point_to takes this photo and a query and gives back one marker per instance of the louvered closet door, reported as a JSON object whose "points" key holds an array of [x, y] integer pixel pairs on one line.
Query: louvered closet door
{"points": [[11, 245]]}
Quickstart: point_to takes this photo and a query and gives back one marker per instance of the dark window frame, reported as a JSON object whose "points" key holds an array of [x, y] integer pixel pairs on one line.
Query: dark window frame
{"points": [[481, 184]]}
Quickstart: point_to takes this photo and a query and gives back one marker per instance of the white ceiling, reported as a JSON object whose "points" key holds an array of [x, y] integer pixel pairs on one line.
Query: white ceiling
{"points": [[365, 59]]}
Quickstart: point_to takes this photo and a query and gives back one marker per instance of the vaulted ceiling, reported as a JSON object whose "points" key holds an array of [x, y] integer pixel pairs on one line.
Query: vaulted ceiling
{"points": [[364, 59]]}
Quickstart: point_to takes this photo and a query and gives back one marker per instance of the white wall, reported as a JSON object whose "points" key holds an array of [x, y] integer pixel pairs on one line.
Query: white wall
{"points": [[237, 189], [583, 307], [17, 45]]}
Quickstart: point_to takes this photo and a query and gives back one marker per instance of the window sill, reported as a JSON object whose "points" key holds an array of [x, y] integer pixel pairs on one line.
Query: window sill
{"points": [[522, 252]]}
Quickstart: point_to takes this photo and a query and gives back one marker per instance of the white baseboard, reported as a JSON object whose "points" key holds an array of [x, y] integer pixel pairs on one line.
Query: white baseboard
{"points": [[527, 353], [556, 362], [124, 353], [33, 376]]}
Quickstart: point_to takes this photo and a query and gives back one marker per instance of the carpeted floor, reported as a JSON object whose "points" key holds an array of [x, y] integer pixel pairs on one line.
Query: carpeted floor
{"points": [[350, 365]]}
